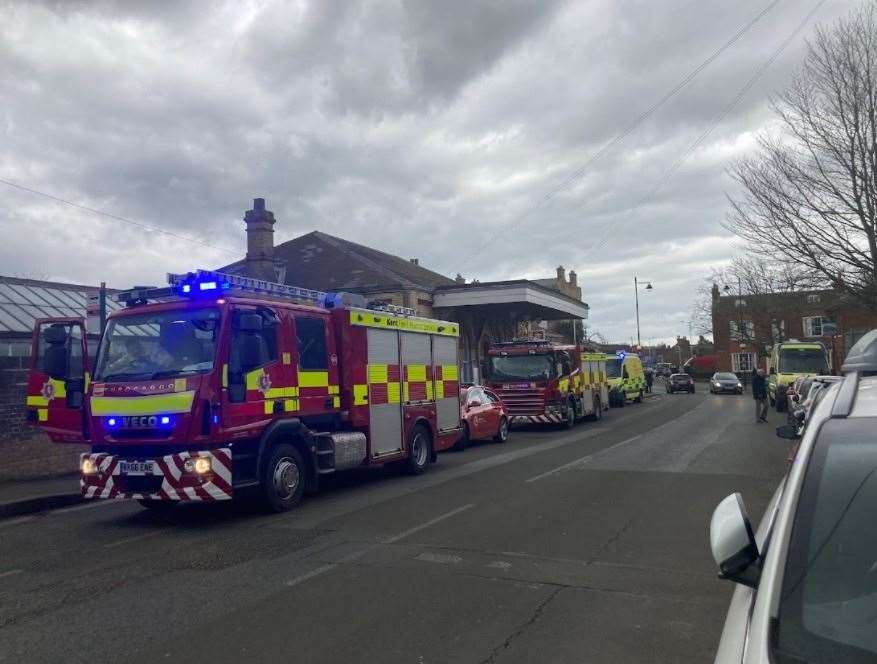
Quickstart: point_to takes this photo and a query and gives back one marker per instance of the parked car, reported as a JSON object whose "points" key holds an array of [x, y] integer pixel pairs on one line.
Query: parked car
{"points": [[484, 416], [680, 382], [807, 581], [723, 381]]}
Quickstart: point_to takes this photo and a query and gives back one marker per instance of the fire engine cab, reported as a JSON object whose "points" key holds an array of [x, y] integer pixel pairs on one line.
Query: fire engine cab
{"points": [[542, 382], [221, 383]]}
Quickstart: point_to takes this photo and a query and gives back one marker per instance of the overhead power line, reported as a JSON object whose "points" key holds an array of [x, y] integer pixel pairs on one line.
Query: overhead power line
{"points": [[116, 217], [717, 120], [629, 129]]}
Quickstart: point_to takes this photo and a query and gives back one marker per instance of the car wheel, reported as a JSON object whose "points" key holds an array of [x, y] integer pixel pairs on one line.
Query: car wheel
{"points": [[419, 450], [463, 441], [502, 434], [283, 479], [640, 397]]}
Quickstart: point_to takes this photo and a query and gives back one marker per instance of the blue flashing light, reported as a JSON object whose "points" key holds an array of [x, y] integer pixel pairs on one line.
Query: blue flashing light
{"points": [[208, 285], [112, 421], [216, 419], [165, 419], [187, 288]]}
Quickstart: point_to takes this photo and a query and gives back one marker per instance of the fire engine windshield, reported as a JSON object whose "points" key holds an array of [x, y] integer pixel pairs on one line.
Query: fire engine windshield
{"points": [[803, 360], [521, 367], [158, 345]]}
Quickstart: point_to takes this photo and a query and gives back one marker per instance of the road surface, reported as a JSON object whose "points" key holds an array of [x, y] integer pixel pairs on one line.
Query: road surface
{"points": [[588, 545]]}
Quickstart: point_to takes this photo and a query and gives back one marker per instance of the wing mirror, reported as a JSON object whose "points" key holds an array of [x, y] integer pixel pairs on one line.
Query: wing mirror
{"points": [[788, 431], [733, 542], [473, 404]]}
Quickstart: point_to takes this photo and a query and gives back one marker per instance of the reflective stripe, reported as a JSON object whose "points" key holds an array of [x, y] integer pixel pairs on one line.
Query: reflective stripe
{"points": [[287, 358], [290, 405], [334, 389], [368, 318], [275, 392], [336, 402], [252, 379], [377, 373], [313, 378], [394, 393], [42, 414], [360, 395], [37, 401], [269, 407], [225, 375], [290, 391], [154, 404], [59, 388], [450, 372]]}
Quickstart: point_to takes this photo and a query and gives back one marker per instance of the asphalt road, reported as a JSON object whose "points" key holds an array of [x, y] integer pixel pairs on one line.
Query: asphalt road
{"points": [[581, 546]]}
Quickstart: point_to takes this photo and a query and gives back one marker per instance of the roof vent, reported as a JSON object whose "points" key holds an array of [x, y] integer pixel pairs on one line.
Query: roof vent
{"points": [[862, 357]]}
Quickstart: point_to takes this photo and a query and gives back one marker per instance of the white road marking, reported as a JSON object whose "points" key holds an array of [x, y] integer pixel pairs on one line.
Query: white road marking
{"points": [[441, 558], [136, 538], [362, 552], [11, 572], [581, 460]]}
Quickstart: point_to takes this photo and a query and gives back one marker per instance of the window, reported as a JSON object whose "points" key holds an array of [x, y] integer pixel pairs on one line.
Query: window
{"points": [[565, 363], [828, 601], [813, 325], [742, 330], [778, 331], [311, 335], [742, 362], [813, 298], [267, 340]]}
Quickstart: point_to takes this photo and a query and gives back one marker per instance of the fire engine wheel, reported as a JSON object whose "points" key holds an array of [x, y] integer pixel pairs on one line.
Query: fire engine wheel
{"points": [[597, 415], [502, 434], [570, 420], [283, 480], [419, 449], [463, 441]]}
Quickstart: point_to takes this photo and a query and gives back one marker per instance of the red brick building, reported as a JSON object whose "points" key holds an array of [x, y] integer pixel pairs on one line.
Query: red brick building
{"points": [[746, 326]]}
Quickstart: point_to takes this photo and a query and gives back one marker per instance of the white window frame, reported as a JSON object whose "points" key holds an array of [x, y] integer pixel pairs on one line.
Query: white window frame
{"points": [[813, 298], [810, 325], [740, 366], [749, 330], [778, 331]]}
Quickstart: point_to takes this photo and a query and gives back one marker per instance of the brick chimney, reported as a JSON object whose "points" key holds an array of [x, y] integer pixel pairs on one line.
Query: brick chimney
{"points": [[573, 278], [561, 274], [260, 241]]}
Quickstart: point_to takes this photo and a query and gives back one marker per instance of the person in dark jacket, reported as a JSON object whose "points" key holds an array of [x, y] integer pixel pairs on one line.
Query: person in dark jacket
{"points": [[759, 393], [650, 378]]}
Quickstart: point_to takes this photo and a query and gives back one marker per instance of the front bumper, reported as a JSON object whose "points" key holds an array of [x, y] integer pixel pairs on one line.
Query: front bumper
{"points": [[168, 479], [537, 419]]}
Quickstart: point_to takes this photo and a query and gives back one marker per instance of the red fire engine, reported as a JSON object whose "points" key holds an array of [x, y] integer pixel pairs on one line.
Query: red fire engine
{"points": [[543, 382], [221, 383]]}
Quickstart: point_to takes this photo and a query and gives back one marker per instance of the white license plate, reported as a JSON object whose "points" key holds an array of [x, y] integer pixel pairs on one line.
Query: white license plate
{"points": [[136, 467]]}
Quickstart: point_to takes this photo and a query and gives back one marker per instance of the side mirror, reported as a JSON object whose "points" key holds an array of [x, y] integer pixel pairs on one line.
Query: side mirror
{"points": [[788, 431], [733, 542], [248, 322], [473, 404], [55, 362]]}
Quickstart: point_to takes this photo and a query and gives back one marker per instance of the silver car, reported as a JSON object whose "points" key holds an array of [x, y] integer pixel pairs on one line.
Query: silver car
{"points": [[807, 580], [723, 381]]}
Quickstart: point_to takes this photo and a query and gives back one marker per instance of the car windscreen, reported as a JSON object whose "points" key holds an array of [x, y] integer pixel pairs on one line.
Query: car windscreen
{"points": [[828, 603], [725, 376], [683, 378], [613, 368], [521, 367], [158, 345], [803, 360]]}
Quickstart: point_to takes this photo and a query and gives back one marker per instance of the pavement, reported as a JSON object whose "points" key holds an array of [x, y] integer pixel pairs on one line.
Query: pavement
{"points": [[38, 495], [586, 545]]}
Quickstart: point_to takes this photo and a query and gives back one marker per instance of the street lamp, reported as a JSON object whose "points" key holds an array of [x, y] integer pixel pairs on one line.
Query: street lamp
{"points": [[636, 295]]}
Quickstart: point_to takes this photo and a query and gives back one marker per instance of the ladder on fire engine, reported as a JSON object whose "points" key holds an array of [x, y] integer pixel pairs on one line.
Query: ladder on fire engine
{"points": [[210, 283]]}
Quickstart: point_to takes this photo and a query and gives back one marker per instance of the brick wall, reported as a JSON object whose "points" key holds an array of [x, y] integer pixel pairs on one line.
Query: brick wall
{"points": [[26, 453]]}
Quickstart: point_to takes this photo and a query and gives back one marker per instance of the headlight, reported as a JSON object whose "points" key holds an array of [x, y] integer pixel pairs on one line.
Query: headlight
{"points": [[88, 467], [739, 384], [202, 465], [717, 384]]}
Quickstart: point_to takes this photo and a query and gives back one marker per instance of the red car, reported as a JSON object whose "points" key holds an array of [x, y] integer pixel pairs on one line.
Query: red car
{"points": [[484, 416]]}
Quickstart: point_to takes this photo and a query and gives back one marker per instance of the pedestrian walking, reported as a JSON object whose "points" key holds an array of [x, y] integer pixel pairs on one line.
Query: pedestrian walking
{"points": [[650, 378], [759, 393]]}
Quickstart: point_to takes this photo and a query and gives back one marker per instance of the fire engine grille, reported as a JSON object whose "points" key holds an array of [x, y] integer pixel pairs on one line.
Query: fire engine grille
{"points": [[523, 402]]}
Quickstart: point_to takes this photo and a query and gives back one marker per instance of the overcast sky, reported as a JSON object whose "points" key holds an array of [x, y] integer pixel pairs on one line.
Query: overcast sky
{"points": [[431, 129]]}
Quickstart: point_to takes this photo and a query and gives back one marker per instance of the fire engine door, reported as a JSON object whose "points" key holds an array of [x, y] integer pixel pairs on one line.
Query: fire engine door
{"points": [[384, 392], [58, 378], [446, 381]]}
